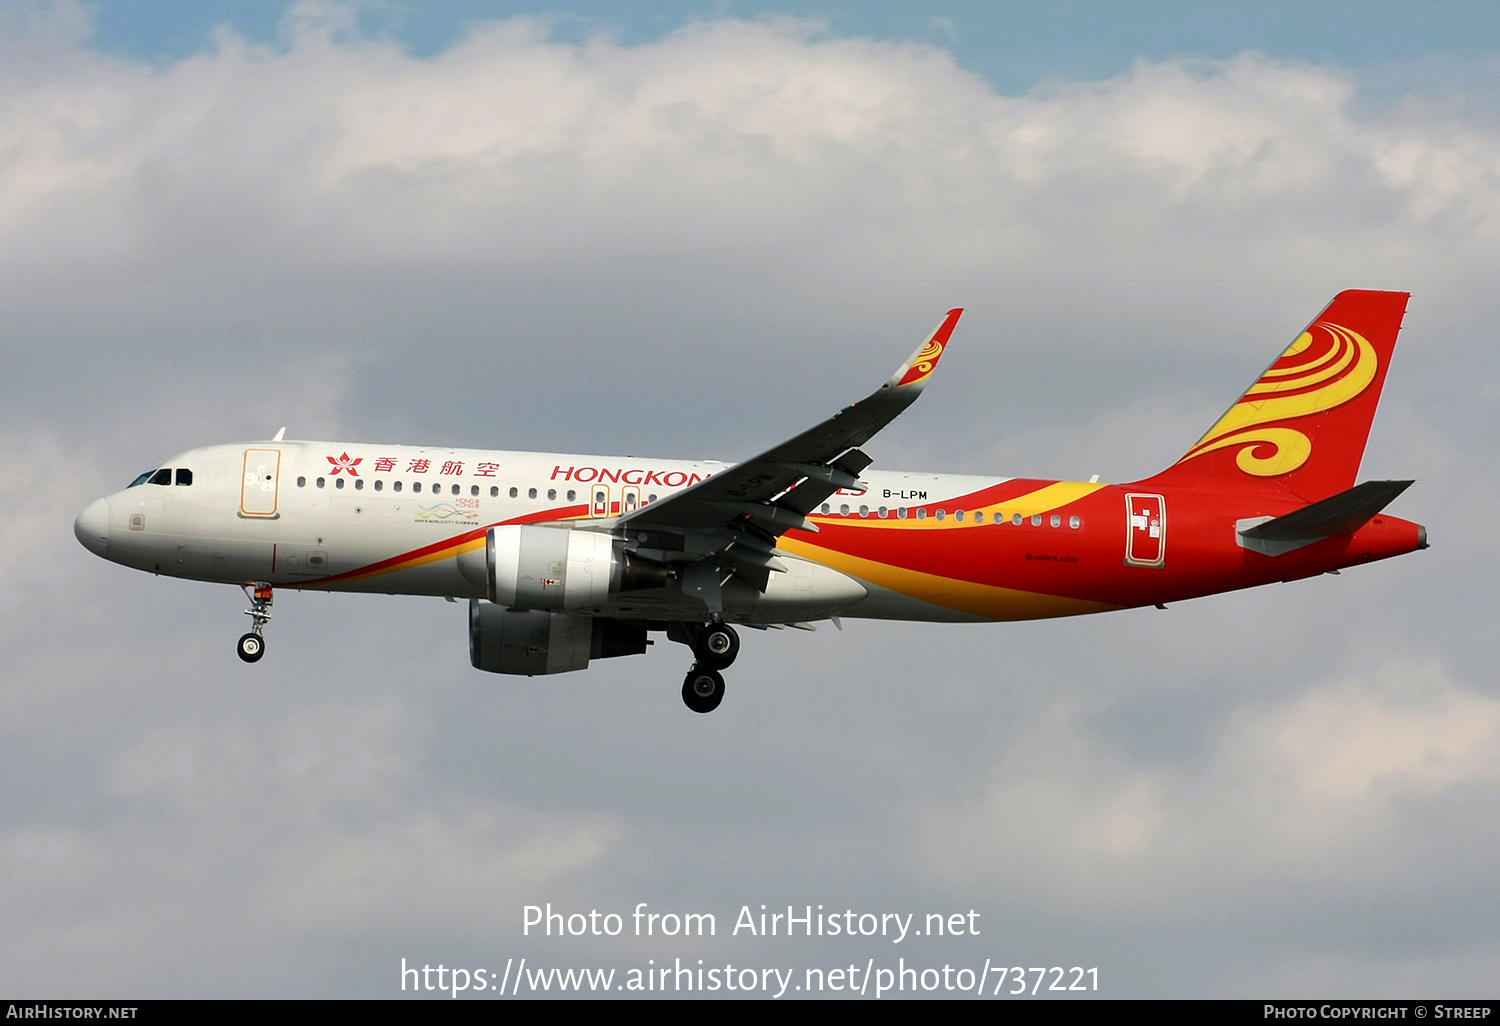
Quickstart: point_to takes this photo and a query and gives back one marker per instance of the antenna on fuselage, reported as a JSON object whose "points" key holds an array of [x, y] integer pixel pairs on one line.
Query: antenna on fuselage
{"points": [[279, 435]]}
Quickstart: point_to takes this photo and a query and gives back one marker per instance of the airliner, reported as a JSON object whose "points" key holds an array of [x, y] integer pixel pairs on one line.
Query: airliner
{"points": [[566, 559]]}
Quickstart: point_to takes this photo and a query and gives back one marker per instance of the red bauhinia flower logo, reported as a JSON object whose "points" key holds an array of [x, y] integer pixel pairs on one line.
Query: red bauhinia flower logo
{"points": [[343, 462]]}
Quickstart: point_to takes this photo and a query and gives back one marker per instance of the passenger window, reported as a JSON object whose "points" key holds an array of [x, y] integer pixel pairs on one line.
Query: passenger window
{"points": [[551, 493], [959, 516], [826, 507], [494, 491], [359, 484], [513, 493], [572, 495], [844, 510], [338, 482], [395, 486], [473, 489], [184, 476], [379, 484], [161, 477], [883, 512], [531, 493], [1036, 520], [301, 482], [979, 516], [942, 514], [416, 486], [901, 512], [1016, 520], [1056, 520], [651, 497], [320, 482], [1075, 523], [455, 489], [921, 513], [864, 511]]}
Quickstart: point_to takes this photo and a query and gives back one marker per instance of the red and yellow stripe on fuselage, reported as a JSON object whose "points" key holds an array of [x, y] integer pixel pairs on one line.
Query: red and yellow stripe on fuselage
{"points": [[994, 568], [987, 566]]}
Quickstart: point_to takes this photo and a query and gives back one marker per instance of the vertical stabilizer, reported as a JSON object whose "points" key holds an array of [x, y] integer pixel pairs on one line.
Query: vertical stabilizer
{"points": [[1301, 427]]}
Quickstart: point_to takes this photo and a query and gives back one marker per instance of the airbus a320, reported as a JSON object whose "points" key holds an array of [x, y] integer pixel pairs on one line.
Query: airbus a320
{"points": [[566, 559]]}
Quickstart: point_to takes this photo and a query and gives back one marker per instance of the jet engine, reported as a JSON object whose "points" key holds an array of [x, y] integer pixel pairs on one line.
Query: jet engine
{"points": [[534, 641], [553, 568]]}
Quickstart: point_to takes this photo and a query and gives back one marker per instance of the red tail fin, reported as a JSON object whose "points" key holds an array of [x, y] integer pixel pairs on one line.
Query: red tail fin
{"points": [[1302, 426]]}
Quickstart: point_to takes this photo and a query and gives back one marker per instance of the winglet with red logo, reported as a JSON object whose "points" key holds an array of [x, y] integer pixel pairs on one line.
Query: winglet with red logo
{"points": [[1301, 427], [919, 366]]}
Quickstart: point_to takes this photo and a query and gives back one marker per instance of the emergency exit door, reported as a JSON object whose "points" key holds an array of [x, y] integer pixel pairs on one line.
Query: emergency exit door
{"points": [[1146, 534]]}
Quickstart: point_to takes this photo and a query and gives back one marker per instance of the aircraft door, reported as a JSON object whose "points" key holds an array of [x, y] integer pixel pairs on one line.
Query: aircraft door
{"points": [[258, 490], [630, 500], [599, 505], [1146, 533]]}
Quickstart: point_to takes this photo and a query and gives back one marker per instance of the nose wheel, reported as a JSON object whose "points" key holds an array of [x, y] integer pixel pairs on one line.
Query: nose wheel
{"points": [[253, 645]]}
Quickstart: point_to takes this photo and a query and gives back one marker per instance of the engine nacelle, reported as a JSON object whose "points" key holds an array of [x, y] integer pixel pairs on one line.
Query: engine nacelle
{"points": [[534, 567], [534, 641]]}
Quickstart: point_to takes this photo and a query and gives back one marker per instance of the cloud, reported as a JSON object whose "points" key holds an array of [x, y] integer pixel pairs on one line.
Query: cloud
{"points": [[1311, 789], [766, 148], [692, 246], [226, 838]]}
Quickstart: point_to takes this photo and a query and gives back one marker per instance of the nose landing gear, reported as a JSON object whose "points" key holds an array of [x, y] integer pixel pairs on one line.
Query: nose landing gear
{"points": [[715, 646], [253, 645]]}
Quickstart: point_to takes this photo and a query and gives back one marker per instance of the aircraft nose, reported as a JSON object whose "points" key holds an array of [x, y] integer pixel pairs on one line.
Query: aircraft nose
{"points": [[92, 527]]}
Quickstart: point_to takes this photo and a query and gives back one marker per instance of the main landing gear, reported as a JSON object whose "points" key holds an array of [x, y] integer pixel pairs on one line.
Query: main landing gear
{"points": [[253, 645], [714, 646]]}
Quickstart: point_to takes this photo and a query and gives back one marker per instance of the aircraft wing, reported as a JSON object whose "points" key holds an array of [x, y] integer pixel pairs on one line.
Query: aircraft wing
{"points": [[755, 501]]}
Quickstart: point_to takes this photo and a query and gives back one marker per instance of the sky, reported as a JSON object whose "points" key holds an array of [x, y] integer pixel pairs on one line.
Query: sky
{"points": [[692, 231]]}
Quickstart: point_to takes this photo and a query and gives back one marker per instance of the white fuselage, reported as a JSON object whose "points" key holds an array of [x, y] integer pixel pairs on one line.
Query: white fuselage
{"points": [[400, 519]]}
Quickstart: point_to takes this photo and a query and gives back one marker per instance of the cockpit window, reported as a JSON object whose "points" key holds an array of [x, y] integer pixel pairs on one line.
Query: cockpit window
{"points": [[184, 476], [161, 477], [141, 480]]}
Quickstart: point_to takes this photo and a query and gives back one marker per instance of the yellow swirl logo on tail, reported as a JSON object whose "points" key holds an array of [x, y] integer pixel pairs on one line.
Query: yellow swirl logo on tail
{"points": [[1326, 366], [924, 363]]}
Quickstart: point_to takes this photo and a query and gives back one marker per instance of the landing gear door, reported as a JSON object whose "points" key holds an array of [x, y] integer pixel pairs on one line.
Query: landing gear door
{"points": [[259, 488], [1146, 531]]}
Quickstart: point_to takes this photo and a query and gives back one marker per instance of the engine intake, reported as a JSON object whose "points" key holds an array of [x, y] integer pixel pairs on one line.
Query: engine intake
{"points": [[553, 568]]}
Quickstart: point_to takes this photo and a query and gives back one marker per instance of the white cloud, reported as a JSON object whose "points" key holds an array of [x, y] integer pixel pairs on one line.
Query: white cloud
{"points": [[1310, 790], [334, 785], [317, 825], [182, 804], [766, 148]]}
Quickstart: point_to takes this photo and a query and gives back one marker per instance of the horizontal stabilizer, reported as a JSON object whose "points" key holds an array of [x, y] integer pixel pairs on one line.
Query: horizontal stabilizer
{"points": [[1343, 513]]}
